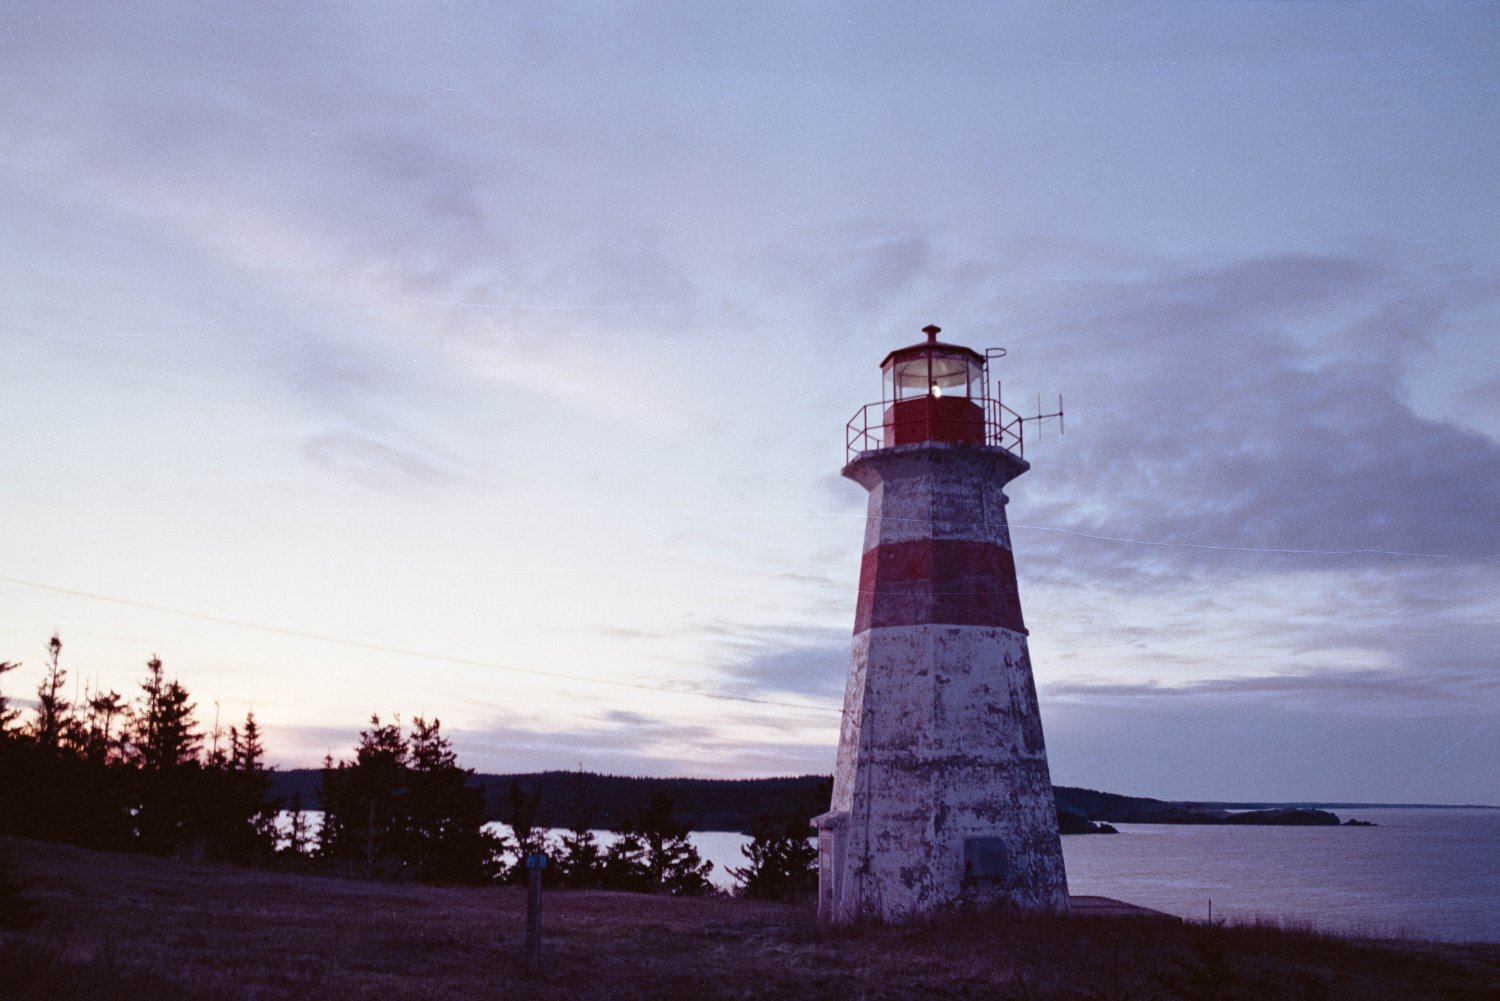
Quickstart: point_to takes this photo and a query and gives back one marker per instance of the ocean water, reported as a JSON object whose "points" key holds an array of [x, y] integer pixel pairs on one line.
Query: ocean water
{"points": [[1420, 874], [1431, 874]]}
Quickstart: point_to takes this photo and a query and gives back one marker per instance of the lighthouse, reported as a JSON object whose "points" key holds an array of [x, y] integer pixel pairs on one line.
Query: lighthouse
{"points": [[941, 792]]}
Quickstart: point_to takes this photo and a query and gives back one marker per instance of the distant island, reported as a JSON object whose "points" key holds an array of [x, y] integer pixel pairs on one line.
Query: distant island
{"points": [[740, 805]]}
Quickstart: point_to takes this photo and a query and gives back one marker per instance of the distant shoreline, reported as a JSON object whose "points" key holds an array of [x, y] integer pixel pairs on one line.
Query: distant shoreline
{"points": [[1318, 804], [739, 805]]}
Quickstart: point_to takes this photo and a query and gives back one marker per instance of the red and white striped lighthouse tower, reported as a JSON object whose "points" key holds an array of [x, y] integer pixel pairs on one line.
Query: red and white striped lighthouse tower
{"points": [[941, 791]]}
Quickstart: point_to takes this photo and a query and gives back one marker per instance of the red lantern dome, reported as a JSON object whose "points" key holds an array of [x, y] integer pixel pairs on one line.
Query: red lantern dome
{"points": [[933, 392]]}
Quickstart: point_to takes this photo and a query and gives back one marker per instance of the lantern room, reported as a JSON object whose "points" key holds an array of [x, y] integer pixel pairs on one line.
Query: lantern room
{"points": [[933, 392]]}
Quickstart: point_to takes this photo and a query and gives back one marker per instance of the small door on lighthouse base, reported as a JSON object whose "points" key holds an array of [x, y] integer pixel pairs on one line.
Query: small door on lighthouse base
{"points": [[941, 791]]}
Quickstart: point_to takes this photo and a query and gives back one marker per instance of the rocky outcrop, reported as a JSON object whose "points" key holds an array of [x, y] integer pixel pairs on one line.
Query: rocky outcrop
{"points": [[1287, 815], [1072, 823], [1089, 805]]}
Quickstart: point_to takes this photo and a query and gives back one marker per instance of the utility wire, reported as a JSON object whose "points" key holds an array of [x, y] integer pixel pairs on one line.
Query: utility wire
{"points": [[398, 651]]}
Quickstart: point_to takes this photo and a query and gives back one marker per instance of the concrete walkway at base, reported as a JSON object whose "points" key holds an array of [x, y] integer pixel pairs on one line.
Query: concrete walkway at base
{"points": [[1108, 907]]}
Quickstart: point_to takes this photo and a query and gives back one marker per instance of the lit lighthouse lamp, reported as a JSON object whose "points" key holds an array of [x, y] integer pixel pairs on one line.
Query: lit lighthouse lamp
{"points": [[941, 791], [933, 392]]}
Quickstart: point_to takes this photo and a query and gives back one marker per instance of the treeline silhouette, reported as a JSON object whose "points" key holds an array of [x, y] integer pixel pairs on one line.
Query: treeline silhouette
{"points": [[702, 804], [133, 775], [142, 775]]}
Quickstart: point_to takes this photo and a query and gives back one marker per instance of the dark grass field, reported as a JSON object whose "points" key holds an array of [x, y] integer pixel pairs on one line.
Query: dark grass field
{"points": [[128, 927]]}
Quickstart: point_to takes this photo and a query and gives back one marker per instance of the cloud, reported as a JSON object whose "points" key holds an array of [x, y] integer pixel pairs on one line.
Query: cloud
{"points": [[378, 465], [1341, 691], [810, 671], [1255, 405], [632, 743]]}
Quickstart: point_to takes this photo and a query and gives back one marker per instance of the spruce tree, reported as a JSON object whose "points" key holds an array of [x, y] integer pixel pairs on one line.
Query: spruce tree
{"points": [[580, 861], [54, 713], [235, 798], [783, 863], [166, 736], [404, 806], [625, 866], [300, 842], [363, 802], [673, 864], [529, 838], [100, 745], [447, 842], [8, 716], [651, 853], [164, 743]]}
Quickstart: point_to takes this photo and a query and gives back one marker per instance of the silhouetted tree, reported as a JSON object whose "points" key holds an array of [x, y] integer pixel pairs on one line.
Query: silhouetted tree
{"points": [[674, 864], [165, 736], [237, 816], [580, 859], [362, 823], [404, 807], [651, 853], [54, 713], [524, 804], [447, 842], [8, 716], [100, 745], [300, 841], [163, 744], [783, 863], [625, 866]]}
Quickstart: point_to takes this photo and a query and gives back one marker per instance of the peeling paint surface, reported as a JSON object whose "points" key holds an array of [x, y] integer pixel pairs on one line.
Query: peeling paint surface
{"points": [[941, 753]]}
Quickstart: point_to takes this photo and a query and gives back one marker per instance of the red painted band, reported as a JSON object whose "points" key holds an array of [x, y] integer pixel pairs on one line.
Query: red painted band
{"points": [[933, 418], [938, 581]]}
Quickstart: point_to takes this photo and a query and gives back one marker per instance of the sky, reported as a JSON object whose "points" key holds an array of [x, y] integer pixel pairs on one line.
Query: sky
{"points": [[490, 362]]}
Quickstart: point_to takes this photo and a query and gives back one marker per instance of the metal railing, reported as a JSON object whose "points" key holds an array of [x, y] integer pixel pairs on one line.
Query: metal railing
{"points": [[1004, 427]]}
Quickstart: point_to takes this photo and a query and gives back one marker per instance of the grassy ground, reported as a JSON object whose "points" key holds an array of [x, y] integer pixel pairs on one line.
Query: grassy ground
{"points": [[126, 927]]}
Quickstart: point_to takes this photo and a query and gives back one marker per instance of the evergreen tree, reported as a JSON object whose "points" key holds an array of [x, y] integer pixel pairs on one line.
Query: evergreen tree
{"points": [[54, 713], [362, 801], [237, 814], [447, 842], [529, 838], [164, 742], [651, 853], [299, 842], [405, 807], [166, 736], [100, 745], [15, 760], [580, 861], [8, 716], [625, 866], [672, 863], [783, 863]]}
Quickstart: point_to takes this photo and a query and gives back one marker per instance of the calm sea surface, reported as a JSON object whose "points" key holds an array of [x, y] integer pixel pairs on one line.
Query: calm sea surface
{"points": [[1420, 874]]}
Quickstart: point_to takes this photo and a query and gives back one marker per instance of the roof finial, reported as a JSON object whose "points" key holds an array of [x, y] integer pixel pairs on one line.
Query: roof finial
{"points": [[932, 330]]}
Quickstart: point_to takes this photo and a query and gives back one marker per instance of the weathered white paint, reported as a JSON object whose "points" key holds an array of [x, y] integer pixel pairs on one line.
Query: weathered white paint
{"points": [[941, 739], [936, 490]]}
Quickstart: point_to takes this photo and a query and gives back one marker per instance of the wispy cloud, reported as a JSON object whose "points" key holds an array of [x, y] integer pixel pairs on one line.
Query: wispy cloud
{"points": [[376, 464]]}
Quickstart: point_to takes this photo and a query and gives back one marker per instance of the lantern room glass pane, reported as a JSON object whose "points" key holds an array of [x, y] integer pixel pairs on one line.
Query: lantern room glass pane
{"points": [[934, 373], [910, 376], [950, 375]]}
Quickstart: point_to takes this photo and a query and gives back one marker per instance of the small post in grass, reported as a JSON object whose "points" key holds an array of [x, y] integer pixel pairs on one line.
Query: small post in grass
{"points": [[535, 863]]}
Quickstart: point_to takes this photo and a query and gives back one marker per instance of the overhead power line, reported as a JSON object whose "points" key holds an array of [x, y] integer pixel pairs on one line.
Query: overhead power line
{"points": [[422, 654]]}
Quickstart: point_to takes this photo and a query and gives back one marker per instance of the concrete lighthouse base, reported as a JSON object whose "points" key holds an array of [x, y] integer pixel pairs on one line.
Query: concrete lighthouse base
{"points": [[941, 792]]}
